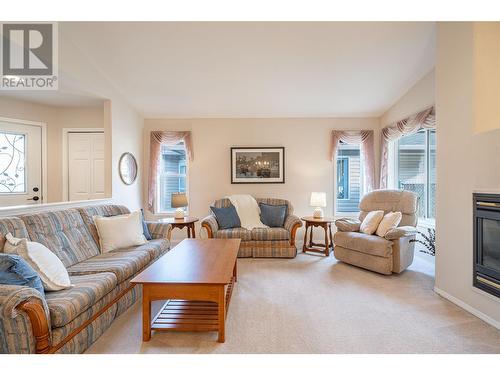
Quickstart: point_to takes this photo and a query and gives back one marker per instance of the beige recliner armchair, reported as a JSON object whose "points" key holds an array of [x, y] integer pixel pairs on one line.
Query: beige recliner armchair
{"points": [[392, 253]]}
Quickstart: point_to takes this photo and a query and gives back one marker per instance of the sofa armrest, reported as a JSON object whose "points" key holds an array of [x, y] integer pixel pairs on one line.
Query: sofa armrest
{"points": [[210, 224], [347, 224], [159, 230], [292, 223], [25, 319], [396, 233]]}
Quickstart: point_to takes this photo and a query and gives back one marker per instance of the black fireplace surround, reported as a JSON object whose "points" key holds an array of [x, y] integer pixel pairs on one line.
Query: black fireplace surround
{"points": [[486, 274]]}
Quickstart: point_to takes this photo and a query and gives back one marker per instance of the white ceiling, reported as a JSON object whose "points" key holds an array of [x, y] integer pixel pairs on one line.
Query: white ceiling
{"points": [[253, 69]]}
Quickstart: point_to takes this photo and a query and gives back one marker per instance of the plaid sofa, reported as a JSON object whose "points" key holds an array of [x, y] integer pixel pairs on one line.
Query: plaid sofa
{"points": [[70, 320], [259, 242]]}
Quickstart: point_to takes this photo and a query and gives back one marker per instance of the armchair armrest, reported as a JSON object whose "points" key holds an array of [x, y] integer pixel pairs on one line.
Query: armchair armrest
{"points": [[159, 230], [210, 224], [347, 224], [25, 319], [292, 223], [399, 232]]}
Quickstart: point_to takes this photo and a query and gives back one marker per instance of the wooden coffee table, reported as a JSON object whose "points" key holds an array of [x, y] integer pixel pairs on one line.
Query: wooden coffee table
{"points": [[196, 278]]}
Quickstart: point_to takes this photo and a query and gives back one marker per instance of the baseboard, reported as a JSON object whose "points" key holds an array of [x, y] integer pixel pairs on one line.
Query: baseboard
{"points": [[468, 308]]}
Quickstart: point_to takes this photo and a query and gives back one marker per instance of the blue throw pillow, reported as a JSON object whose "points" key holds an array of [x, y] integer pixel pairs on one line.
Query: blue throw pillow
{"points": [[14, 270], [273, 215], [227, 217], [145, 229]]}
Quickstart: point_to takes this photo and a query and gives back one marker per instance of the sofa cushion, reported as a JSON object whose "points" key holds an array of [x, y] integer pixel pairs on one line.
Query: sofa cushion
{"points": [[123, 264], [12, 225], [268, 234], [364, 243], [104, 210], [273, 215], [14, 270], [66, 305], [64, 233], [155, 248], [242, 233], [227, 217]]}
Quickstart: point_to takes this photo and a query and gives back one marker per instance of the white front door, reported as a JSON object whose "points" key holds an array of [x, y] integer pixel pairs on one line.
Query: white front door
{"points": [[20, 164], [85, 166]]}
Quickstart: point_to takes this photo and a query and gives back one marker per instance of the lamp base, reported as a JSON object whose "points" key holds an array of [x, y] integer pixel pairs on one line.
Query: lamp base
{"points": [[179, 213], [318, 213]]}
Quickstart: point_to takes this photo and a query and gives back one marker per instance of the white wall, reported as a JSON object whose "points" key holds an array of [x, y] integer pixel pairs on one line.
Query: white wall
{"points": [[465, 162], [307, 164], [56, 118], [80, 75], [419, 97]]}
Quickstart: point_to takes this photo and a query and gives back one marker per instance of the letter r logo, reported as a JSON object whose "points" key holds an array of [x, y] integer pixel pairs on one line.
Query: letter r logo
{"points": [[27, 49]]}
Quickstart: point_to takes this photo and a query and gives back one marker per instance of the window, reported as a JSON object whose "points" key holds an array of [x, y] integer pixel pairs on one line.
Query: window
{"points": [[349, 178], [172, 176], [416, 169], [12, 163]]}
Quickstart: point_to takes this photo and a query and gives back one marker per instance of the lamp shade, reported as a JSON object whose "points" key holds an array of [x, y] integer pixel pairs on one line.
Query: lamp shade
{"points": [[179, 200], [318, 199]]}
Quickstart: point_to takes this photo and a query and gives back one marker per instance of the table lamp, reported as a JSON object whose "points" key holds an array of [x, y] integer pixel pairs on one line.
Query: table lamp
{"points": [[318, 200], [179, 201]]}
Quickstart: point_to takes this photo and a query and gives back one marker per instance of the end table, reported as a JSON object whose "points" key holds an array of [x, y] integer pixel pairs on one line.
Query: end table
{"points": [[326, 224], [187, 221]]}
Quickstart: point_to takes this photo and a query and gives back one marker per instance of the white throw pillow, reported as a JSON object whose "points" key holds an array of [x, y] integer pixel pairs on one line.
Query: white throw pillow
{"points": [[371, 222], [52, 272], [121, 231], [390, 221]]}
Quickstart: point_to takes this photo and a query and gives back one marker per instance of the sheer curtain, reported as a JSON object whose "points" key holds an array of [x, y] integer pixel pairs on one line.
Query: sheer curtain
{"points": [[422, 120], [157, 139], [365, 139]]}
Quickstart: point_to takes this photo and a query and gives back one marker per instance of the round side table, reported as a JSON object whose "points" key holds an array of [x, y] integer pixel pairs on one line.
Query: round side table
{"points": [[326, 224], [187, 221]]}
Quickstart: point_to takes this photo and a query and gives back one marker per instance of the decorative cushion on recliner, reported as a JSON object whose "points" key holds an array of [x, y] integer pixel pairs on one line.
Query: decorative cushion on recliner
{"points": [[370, 223], [364, 243], [390, 221]]}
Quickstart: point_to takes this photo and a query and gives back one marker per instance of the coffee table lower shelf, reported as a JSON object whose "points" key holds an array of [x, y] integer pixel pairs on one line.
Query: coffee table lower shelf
{"points": [[190, 315]]}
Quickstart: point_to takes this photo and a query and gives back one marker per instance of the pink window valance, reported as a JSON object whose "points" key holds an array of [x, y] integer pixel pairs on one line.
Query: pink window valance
{"points": [[157, 139], [422, 120], [365, 138]]}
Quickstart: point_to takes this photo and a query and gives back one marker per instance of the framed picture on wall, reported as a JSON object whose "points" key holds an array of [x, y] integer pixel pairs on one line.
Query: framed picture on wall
{"points": [[257, 165]]}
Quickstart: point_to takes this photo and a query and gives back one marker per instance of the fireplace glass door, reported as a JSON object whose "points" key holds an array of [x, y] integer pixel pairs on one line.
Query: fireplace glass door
{"points": [[491, 244]]}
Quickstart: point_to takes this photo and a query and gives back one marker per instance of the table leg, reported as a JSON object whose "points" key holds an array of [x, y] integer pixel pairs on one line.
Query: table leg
{"points": [[304, 246], [146, 314], [327, 244], [222, 315], [235, 271], [331, 237], [192, 231], [311, 236]]}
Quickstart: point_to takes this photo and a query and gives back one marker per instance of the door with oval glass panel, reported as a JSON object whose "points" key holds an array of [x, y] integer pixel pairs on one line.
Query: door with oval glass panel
{"points": [[20, 163]]}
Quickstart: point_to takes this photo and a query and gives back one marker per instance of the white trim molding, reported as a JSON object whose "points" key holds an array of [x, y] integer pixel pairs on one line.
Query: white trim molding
{"points": [[65, 132], [37, 208], [43, 127], [486, 318]]}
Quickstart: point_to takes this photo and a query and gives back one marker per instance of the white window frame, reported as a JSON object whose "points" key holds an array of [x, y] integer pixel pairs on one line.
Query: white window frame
{"points": [[171, 212], [353, 214], [426, 221]]}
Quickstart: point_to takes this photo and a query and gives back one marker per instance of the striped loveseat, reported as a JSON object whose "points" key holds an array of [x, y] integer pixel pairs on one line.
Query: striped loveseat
{"points": [[69, 321], [259, 242]]}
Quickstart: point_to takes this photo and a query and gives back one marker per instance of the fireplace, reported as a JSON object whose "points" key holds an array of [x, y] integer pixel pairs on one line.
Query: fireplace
{"points": [[487, 243]]}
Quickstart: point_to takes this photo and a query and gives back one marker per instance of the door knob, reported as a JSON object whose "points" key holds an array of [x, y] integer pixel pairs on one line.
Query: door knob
{"points": [[35, 198]]}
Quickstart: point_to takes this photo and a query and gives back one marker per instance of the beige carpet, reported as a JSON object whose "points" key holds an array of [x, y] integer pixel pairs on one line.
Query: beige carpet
{"points": [[313, 304]]}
